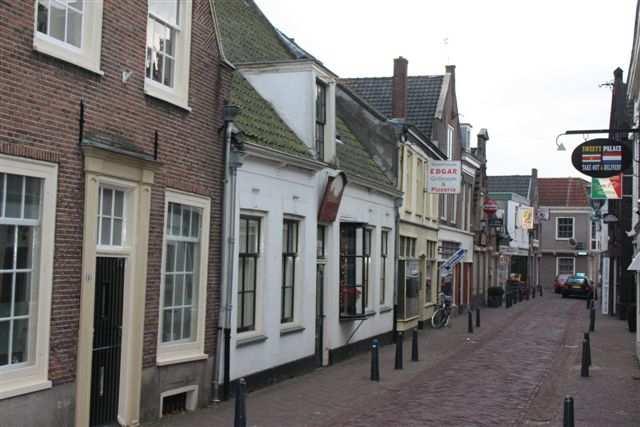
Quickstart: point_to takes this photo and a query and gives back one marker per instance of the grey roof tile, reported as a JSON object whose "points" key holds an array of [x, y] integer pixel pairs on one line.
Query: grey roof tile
{"points": [[518, 184], [422, 99]]}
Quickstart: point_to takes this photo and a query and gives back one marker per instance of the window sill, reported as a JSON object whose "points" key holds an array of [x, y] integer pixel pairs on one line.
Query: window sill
{"points": [[409, 319], [49, 47], [287, 330], [22, 386], [255, 339], [158, 92], [174, 359], [385, 309], [352, 317], [370, 313]]}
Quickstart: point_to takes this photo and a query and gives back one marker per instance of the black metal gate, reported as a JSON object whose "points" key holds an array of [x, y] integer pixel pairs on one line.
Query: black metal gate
{"points": [[107, 338]]}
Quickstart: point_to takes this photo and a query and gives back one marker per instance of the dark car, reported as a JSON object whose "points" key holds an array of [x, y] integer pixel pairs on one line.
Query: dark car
{"points": [[558, 283], [577, 286]]}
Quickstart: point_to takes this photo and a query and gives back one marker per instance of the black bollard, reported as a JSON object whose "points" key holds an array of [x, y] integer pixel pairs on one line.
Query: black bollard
{"points": [[588, 303], [414, 346], [586, 337], [592, 320], [584, 369], [507, 300], [477, 317], [470, 322], [533, 292], [375, 360], [568, 412], [399, 351], [240, 417], [540, 287]]}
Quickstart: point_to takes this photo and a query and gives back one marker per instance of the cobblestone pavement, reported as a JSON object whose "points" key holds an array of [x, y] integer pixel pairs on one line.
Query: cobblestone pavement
{"points": [[514, 370]]}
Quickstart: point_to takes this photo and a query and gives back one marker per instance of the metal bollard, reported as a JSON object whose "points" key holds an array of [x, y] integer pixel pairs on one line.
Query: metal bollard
{"points": [[399, 340], [533, 292], [568, 412], [240, 417], [414, 346], [477, 317], [584, 369], [375, 360], [586, 337], [540, 287], [588, 303], [592, 320], [470, 322]]}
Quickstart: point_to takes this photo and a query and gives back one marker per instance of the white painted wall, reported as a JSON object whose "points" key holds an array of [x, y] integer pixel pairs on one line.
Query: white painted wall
{"points": [[377, 210], [272, 192], [264, 189]]}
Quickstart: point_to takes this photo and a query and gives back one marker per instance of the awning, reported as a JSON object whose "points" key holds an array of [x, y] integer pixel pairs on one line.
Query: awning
{"points": [[635, 264]]}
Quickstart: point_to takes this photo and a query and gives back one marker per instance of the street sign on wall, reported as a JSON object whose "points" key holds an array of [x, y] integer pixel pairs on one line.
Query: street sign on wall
{"points": [[444, 177], [601, 158], [447, 267], [606, 188]]}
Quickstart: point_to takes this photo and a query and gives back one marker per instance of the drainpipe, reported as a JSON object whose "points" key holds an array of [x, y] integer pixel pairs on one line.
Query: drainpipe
{"points": [[233, 156], [396, 257]]}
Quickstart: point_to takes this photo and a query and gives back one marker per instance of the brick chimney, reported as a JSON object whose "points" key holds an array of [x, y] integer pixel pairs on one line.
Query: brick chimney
{"points": [[400, 90]]}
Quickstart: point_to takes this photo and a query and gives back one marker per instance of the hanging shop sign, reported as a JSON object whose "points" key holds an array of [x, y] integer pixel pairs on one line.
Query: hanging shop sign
{"points": [[444, 177], [601, 158], [332, 198], [525, 218], [606, 188]]}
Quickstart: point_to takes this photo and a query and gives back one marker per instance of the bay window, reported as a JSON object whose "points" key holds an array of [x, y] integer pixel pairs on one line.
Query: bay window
{"points": [[355, 257], [168, 50], [27, 219], [184, 275]]}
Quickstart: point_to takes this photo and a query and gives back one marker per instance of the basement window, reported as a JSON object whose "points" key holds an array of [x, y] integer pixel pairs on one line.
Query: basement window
{"points": [[178, 400]]}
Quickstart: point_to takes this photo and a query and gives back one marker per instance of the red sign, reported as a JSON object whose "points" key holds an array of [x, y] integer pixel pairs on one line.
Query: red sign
{"points": [[490, 207], [332, 198]]}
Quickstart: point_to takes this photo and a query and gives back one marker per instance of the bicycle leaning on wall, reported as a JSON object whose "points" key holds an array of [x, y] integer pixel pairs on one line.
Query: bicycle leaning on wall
{"points": [[441, 316]]}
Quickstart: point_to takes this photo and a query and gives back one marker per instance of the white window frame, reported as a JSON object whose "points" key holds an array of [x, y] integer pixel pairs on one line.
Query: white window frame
{"points": [[21, 379], [126, 215], [384, 262], [184, 351], [450, 133], [298, 269], [177, 95], [88, 55], [573, 227], [258, 329], [558, 264], [408, 206]]}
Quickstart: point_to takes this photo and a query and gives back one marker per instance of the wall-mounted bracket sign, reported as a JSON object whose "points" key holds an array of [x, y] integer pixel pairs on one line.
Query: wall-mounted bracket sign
{"points": [[332, 197], [601, 158]]}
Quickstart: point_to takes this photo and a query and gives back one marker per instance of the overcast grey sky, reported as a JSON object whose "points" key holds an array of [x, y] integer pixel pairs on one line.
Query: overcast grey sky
{"points": [[525, 70]]}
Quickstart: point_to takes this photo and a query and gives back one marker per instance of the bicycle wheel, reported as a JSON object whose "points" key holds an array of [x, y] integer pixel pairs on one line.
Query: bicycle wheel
{"points": [[438, 319]]}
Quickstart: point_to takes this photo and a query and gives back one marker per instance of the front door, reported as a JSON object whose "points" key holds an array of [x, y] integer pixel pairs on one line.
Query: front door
{"points": [[319, 312], [107, 339]]}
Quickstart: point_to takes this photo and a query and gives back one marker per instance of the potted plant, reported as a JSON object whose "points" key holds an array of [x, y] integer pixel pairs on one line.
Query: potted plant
{"points": [[494, 296]]}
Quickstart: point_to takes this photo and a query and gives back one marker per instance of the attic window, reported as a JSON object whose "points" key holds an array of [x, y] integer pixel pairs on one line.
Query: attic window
{"points": [[321, 118]]}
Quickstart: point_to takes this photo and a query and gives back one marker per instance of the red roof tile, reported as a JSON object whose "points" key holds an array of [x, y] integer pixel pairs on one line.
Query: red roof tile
{"points": [[563, 192]]}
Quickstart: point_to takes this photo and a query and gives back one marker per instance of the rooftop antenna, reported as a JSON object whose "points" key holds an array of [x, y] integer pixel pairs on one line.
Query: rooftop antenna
{"points": [[445, 44]]}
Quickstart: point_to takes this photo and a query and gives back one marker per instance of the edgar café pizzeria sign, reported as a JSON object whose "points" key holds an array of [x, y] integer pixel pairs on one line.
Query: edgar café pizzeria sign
{"points": [[601, 158]]}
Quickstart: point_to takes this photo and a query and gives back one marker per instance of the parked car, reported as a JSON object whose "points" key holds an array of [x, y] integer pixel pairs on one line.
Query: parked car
{"points": [[558, 283], [577, 286]]}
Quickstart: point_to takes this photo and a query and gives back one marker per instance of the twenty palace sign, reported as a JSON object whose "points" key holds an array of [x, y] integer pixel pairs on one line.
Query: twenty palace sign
{"points": [[601, 158]]}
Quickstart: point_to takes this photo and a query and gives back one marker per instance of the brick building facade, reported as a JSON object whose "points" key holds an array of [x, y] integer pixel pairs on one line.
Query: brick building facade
{"points": [[145, 142]]}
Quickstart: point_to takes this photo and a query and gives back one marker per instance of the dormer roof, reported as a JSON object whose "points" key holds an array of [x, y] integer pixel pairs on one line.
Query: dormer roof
{"points": [[259, 122], [424, 93]]}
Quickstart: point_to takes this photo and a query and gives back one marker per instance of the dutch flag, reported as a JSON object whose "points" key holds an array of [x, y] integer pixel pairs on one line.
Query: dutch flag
{"points": [[612, 157]]}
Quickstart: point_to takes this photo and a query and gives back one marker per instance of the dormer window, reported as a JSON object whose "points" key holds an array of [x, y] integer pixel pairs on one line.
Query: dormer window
{"points": [[321, 118]]}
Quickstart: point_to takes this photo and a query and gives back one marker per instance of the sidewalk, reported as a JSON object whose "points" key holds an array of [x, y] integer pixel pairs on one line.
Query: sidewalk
{"points": [[327, 393]]}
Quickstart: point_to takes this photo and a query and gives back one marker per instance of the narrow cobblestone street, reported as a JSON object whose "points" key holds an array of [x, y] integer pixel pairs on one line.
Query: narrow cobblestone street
{"points": [[514, 370]]}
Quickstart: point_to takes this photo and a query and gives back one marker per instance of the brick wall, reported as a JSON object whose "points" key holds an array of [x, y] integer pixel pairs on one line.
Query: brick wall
{"points": [[39, 111]]}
